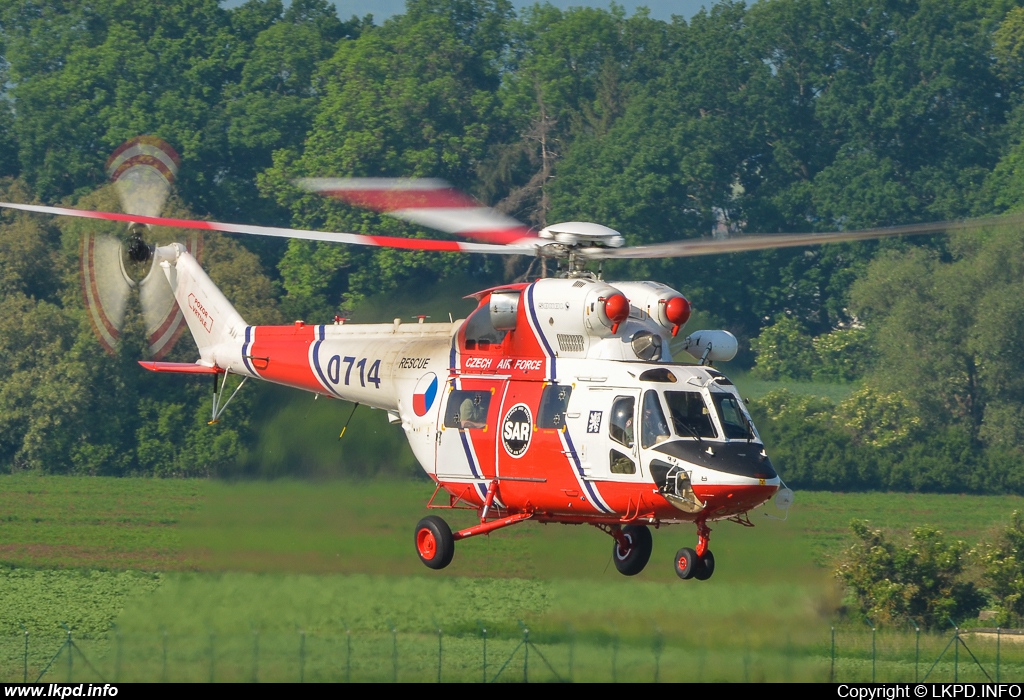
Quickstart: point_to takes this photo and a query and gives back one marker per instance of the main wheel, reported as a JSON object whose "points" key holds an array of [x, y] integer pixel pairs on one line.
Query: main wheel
{"points": [[632, 560], [705, 566], [686, 563], [434, 542]]}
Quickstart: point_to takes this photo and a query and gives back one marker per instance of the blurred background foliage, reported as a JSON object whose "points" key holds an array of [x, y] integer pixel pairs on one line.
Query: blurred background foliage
{"points": [[784, 115]]}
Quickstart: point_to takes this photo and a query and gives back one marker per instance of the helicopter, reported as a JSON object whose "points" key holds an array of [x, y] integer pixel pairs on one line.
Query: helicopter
{"points": [[554, 401]]}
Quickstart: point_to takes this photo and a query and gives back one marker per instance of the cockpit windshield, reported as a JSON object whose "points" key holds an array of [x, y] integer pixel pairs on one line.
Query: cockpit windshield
{"points": [[690, 415], [731, 414]]}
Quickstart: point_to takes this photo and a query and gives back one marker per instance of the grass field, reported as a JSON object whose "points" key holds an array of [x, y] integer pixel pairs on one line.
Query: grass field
{"points": [[173, 579]]}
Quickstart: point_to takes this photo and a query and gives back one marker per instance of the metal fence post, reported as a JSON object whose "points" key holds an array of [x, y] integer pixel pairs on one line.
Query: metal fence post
{"points": [[526, 654], [956, 650], [163, 669], [658, 643], [998, 630], [872, 625], [483, 632], [394, 654], [25, 676], [256, 656], [572, 650], [832, 667], [917, 648], [71, 656], [213, 657], [348, 655], [438, 654], [615, 657]]}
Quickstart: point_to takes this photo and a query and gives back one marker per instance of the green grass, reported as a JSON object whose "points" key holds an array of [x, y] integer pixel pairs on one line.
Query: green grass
{"points": [[255, 564], [753, 388], [95, 522]]}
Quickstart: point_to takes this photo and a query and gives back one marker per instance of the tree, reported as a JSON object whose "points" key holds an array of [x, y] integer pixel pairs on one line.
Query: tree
{"points": [[920, 580]]}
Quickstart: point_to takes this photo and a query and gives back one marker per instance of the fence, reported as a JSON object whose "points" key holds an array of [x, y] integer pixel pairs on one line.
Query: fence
{"points": [[390, 655]]}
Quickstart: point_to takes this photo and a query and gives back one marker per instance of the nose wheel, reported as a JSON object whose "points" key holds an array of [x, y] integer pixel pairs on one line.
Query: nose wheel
{"points": [[699, 563]]}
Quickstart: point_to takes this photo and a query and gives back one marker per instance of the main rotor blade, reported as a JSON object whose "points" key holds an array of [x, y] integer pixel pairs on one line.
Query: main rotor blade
{"points": [[766, 241], [527, 248], [425, 201]]}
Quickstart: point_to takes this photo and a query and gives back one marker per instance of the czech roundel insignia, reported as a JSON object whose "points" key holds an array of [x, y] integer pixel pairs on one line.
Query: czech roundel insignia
{"points": [[424, 394]]}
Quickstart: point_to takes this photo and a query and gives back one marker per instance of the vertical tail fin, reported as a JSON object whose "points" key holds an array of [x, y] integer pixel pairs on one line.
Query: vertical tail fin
{"points": [[216, 326]]}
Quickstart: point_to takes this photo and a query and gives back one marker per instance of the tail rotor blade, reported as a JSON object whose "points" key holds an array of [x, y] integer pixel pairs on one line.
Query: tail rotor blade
{"points": [[143, 170], [105, 287]]}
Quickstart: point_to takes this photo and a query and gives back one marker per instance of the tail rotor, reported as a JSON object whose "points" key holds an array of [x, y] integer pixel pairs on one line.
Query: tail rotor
{"points": [[143, 170]]}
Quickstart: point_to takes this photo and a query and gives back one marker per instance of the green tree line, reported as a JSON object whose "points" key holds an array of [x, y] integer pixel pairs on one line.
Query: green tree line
{"points": [[784, 115]]}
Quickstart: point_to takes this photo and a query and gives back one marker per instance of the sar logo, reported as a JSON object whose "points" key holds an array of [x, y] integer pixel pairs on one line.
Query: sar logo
{"points": [[517, 429]]}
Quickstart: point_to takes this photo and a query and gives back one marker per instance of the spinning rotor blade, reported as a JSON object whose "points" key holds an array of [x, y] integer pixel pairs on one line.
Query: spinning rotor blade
{"points": [[424, 201], [105, 287], [143, 170], [526, 248], [765, 241]]}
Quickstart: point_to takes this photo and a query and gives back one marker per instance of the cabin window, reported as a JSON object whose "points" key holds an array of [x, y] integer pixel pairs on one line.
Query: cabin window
{"points": [[653, 427], [690, 415], [620, 463], [553, 403], [479, 333], [467, 410], [620, 425]]}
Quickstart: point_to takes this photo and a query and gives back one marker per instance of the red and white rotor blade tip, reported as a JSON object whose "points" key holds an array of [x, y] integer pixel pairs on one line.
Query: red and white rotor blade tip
{"points": [[328, 236], [143, 170], [424, 201]]}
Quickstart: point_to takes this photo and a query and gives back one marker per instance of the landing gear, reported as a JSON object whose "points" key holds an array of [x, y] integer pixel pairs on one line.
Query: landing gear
{"points": [[631, 558], [705, 566], [434, 542], [686, 561], [699, 563]]}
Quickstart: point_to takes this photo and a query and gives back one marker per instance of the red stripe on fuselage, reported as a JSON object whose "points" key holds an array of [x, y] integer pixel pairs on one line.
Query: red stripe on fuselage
{"points": [[287, 348]]}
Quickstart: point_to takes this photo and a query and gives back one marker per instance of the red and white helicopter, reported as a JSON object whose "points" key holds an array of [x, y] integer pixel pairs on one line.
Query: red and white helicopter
{"points": [[555, 401]]}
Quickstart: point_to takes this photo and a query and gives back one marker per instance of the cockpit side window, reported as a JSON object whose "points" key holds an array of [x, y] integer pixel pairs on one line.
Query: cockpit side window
{"points": [[479, 333], [690, 415], [620, 425], [653, 428]]}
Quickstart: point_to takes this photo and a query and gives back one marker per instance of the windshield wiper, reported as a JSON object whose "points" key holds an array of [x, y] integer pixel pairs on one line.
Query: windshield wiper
{"points": [[688, 428]]}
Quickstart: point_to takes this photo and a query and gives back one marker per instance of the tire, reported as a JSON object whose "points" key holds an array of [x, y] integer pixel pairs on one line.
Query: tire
{"points": [[705, 566], [686, 563], [632, 561], [434, 542]]}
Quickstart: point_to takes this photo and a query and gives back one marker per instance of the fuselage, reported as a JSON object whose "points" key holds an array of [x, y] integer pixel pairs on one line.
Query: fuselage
{"points": [[538, 395]]}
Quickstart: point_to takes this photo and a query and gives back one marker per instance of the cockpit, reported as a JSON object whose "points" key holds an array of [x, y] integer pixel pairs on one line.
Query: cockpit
{"points": [[696, 414]]}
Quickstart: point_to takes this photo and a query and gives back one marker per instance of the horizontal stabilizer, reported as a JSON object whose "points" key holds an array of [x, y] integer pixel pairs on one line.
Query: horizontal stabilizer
{"points": [[181, 368]]}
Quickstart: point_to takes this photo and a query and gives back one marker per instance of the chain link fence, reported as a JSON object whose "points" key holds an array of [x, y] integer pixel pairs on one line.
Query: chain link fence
{"points": [[847, 655]]}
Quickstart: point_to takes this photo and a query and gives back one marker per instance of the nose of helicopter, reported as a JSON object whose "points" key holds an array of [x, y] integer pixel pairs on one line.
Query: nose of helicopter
{"points": [[736, 495], [727, 478]]}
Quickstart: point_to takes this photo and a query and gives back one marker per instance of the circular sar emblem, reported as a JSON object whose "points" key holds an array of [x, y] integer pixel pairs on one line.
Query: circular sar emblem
{"points": [[517, 429]]}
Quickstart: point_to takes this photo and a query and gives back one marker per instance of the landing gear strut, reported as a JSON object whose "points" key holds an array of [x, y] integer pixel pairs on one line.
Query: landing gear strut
{"points": [[699, 563]]}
